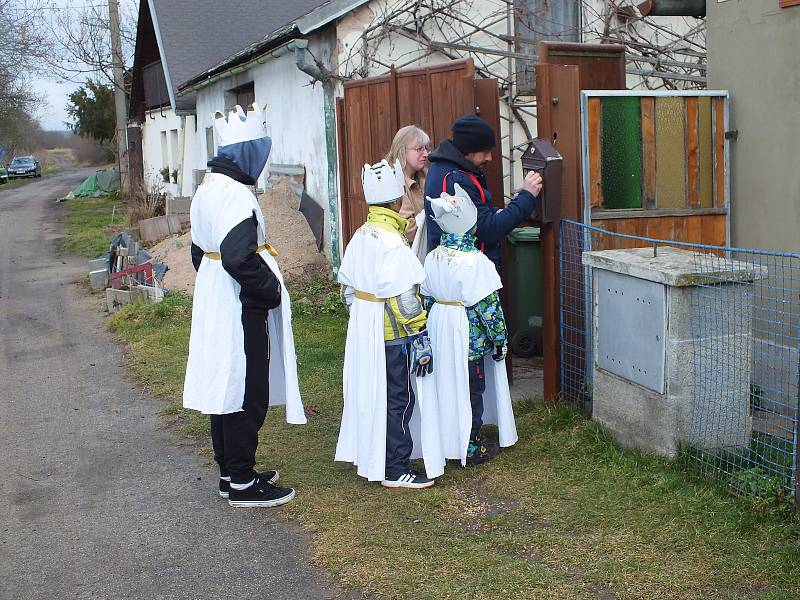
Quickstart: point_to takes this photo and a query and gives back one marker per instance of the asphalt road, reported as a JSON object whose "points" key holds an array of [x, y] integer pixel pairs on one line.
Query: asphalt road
{"points": [[100, 500]]}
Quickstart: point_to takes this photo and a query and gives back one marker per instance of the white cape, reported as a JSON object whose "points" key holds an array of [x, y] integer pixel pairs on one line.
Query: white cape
{"points": [[380, 263], [420, 245], [466, 278], [215, 371]]}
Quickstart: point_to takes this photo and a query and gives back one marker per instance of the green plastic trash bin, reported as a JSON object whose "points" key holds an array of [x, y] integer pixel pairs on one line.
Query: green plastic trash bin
{"points": [[524, 279]]}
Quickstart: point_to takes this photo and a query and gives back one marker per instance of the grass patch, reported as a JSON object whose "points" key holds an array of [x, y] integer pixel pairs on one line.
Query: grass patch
{"points": [[564, 514], [90, 224], [13, 183]]}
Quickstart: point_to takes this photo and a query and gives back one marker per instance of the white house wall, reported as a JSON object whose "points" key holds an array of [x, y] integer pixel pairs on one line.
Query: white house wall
{"points": [[160, 125], [295, 121]]}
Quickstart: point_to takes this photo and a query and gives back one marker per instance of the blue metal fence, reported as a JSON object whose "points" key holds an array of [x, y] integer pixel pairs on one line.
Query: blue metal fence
{"points": [[744, 364]]}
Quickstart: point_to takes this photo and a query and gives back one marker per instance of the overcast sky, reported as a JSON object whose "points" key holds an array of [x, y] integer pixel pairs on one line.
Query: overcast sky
{"points": [[54, 96], [52, 114]]}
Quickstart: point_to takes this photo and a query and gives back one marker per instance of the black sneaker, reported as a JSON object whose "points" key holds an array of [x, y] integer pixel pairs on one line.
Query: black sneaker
{"points": [[479, 452], [484, 441], [270, 476], [409, 479], [262, 494]]}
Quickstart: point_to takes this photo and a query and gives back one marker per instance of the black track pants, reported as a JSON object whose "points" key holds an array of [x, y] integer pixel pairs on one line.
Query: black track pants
{"points": [[235, 435], [477, 386], [399, 407]]}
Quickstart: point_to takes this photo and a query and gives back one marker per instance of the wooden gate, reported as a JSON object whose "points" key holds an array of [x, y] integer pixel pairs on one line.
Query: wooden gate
{"points": [[373, 109]]}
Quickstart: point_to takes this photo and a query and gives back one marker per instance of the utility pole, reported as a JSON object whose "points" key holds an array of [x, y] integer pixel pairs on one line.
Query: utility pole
{"points": [[119, 94]]}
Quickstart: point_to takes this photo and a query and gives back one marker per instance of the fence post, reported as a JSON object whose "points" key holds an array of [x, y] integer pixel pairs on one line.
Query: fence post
{"points": [[551, 303], [797, 441]]}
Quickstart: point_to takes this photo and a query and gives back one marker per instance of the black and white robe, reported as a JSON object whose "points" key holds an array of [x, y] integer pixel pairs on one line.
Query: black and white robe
{"points": [[216, 368]]}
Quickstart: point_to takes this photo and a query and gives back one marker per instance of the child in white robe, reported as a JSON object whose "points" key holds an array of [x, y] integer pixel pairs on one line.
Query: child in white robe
{"points": [[466, 326], [387, 344]]}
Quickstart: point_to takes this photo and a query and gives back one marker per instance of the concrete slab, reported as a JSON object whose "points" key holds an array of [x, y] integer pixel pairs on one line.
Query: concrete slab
{"points": [[98, 279], [178, 206], [159, 227], [673, 266], [116, 299]]}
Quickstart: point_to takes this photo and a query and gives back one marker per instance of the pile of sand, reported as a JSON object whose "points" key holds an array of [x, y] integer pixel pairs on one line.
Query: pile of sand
{"points": [[287, 231], [176, 252]]}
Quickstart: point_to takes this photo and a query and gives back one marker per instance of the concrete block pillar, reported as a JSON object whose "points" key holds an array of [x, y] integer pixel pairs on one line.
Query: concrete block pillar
{"points": [[650, 388]]}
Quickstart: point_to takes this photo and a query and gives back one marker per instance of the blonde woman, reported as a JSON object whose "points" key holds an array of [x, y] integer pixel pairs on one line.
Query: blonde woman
{"points": [[411, 145]]}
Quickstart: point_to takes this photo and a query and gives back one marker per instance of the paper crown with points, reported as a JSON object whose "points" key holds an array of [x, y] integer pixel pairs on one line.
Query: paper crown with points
{"points": [[240, 127], [454, 214], [383, 184]]}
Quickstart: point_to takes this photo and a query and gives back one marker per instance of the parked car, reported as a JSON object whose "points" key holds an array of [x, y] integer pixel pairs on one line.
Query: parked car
{"points": [[24, 166], [3, 172]]}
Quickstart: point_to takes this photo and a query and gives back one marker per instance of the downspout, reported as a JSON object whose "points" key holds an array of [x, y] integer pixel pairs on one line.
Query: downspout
{"points": [[299, 47]]}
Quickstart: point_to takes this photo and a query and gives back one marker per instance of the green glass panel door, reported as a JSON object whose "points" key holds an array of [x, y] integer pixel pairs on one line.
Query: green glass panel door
{"points": [[621, 143]]}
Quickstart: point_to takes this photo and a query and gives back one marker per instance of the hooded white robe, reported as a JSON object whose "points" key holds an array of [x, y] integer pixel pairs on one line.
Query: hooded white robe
{"points": [[215, 372], [466, 278], [380, 263]]}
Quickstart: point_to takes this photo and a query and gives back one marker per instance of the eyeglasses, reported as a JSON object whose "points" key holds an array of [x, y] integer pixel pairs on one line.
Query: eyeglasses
{"points": [[420, 149]]}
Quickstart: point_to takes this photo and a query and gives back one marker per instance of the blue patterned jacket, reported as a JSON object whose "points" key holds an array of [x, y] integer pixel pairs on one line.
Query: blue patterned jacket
{"points": [[487, 323]]}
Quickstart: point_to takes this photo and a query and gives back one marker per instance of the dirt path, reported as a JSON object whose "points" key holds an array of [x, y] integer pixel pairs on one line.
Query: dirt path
{"points": [[99, 501]]}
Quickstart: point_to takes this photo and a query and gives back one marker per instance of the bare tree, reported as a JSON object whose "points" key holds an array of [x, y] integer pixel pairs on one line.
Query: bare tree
{"points": [[22, 48], [81, 42]]}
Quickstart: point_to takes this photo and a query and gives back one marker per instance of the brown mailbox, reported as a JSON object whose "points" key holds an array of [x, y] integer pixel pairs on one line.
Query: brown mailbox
{"points": [[542, 157]]}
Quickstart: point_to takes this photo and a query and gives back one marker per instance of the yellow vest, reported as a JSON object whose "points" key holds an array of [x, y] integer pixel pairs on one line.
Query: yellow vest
{"points": [[397, 323]]}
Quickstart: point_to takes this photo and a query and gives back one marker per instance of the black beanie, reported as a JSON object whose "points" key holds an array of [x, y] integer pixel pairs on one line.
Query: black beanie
{"points": [[473, 134]]}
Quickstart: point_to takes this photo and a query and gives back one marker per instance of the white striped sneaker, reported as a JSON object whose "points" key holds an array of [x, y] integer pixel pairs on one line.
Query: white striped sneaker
{"points": [[410, 479]]}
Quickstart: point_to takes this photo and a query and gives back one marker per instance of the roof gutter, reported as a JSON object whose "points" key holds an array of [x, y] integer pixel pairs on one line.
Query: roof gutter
{"points": [[317, 18], [260, 59], [323, 15], [673, 8]]}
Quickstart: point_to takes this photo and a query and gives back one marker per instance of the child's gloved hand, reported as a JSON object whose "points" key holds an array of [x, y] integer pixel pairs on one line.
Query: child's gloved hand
{"points": [[421, 354], [500, 352]]}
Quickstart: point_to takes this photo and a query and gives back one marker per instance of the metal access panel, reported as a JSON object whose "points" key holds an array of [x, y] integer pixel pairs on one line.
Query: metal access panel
{"points": [[631, 327]]}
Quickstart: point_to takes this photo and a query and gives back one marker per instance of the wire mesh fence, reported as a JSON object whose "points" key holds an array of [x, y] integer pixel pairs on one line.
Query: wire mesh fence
{"points": [[742, 359]]}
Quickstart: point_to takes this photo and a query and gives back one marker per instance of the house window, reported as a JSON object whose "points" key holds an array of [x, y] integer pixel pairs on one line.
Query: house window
{"points": [[174, 156], [164, 150], [541, 20], [244, 96], [211, 149]]}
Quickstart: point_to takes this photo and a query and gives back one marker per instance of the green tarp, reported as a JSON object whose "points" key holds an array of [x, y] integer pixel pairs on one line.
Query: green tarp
{"points": [[100, 183]]}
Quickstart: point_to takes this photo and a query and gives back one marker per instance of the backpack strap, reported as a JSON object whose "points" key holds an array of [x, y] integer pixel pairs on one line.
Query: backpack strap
{"points": [[477, 185], [472, 178]]}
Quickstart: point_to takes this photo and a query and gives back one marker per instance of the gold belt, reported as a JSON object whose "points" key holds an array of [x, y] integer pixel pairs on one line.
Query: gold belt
{"points": [[368, 297], [450, 303], [261, 248]]}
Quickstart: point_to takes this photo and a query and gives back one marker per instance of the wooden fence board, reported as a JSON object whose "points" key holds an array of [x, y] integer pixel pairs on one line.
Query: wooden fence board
{"points": [[595, 154], [649, 152], [719, 152]]}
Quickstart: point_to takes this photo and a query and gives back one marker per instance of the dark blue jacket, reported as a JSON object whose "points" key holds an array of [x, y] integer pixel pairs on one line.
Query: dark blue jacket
{"points": [[493, 224]]}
